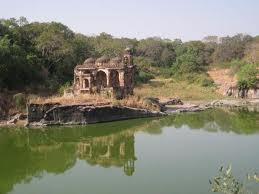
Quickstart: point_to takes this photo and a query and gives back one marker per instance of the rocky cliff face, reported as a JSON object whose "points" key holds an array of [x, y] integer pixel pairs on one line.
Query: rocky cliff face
{"points": [[243, 93], [227, 85], [55, 114]]}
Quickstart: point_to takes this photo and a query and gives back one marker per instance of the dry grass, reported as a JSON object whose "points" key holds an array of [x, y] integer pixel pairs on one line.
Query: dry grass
{"points": [[136, 102], [131, 101], [169, 88], [223, 78], [159, 88], [80, 99]]}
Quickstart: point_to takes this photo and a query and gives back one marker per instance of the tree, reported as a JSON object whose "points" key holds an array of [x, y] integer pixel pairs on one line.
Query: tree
{"points": [[231, 48], [252, 51], [192, 58], [247, 76]]}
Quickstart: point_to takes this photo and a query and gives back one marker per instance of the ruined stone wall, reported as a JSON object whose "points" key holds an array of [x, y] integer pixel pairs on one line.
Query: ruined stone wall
{"points": [[36, 112], [129, 81], [53, 114]]}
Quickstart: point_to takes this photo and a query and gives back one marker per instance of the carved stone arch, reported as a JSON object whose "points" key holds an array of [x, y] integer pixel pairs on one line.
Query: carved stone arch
{"points": [[101, 80], [114, 79], [86, 83]]}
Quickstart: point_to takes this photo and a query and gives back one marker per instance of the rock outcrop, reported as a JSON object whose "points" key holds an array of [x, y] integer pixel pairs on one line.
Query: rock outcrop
{"points": [[56, 114], [227, 85], [252, 93]]}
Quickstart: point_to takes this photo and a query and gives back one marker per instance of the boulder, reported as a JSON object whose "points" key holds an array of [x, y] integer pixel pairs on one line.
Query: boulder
{"points": [[172, 101], [12, 121], [155, 103]]}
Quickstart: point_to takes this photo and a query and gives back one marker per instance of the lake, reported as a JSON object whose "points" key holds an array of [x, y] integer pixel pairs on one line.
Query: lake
{"points": [[175, 154]]}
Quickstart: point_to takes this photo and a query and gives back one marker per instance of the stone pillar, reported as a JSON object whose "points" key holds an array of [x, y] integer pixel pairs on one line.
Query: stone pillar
{"points": [[108, 74], [121, 78], [90, 83], [80, 82]]}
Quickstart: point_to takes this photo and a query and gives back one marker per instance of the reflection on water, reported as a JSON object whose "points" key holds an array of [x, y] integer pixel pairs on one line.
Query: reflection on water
{"points": [[29, 153]]}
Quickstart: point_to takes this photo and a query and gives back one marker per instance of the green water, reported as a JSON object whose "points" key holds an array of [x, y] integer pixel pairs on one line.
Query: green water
{"points": [[176, 154]]}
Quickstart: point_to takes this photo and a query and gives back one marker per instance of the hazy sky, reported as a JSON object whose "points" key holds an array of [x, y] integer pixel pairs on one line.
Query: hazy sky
{"points": [[185, 19]]}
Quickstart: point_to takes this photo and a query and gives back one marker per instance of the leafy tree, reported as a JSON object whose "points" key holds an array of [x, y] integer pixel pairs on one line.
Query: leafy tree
{"points": [[192, 58], [231, 48], [247, 76], [252, 51], [43, 55]]}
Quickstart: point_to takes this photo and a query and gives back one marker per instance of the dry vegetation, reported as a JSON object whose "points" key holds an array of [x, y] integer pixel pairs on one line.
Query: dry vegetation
{"points": [[80, 99], [131, 101], [159, 88], [136, 102], [170, 88]]}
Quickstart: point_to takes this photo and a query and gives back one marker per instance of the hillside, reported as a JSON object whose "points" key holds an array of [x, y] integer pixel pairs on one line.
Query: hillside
{"points": [[223, 78]]}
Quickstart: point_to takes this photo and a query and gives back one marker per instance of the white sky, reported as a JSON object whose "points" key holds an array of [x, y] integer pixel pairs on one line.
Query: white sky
{"points": [[185, 19]]}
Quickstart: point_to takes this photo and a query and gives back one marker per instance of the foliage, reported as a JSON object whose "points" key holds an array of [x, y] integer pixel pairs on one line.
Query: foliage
{"points": [[231, 48], [63, 88], [192, 58], [252, 51], [143, 77], [206, 82], [247, 76], [20, 101], [225, 182], [169, 88], [43, 55]]}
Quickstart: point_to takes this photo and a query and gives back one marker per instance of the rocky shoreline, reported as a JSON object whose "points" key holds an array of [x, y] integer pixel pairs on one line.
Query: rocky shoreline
{"points": [[252, 105], [80, 114], [56, 114]]}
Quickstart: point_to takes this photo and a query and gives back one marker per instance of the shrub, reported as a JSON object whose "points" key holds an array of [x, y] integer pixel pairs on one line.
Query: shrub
{"points": [[63, 88], [143, 77], [247, 76], [234, 65], [20, 101], [165, 72], [207, 82]]}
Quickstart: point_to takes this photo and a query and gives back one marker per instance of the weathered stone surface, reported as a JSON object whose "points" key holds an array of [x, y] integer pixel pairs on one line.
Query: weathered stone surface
{"points": [[83, 114], [12, 121], [186, 108], [234, 103], [244, 93], [172, 101], [249, 104], [155, 103], [19, 116], [37, 111], [113, 76]]}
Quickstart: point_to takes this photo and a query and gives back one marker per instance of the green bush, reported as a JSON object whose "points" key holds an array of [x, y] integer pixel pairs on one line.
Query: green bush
{"points": [[63, 88], [207, 82], [143, 77], [201, 79], [20, 101], [165, 72], [236, 65], [247, 76]]}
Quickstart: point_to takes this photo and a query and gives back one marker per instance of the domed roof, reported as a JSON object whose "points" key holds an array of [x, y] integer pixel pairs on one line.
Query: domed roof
{"points": [[89, 60], [103, 59], [116, 59]]}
